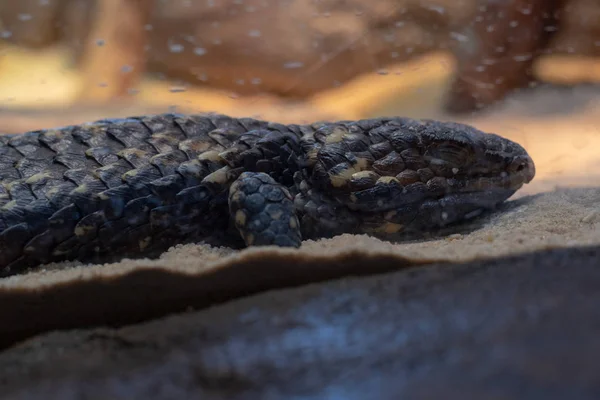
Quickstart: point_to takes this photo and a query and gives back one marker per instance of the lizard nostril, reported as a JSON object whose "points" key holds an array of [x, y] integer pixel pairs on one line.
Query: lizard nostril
{"points": [[523, 165]]}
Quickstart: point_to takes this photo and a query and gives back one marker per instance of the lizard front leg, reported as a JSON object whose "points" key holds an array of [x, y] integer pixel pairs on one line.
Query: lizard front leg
{"points": [[263, 211]]}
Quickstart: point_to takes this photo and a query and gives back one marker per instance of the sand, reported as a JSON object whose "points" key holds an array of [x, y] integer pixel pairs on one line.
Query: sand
{"points": [[523, 327]]}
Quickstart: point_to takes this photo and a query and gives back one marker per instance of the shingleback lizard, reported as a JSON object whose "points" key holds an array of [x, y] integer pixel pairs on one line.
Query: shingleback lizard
{"points": [[135, 187]]}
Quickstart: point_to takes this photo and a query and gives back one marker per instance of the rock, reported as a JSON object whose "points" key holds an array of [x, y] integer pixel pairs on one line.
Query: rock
{"points": [[522, 327]]}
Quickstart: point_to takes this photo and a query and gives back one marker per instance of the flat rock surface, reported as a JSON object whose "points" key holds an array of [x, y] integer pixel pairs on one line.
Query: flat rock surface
{"points": [[523, 327]]}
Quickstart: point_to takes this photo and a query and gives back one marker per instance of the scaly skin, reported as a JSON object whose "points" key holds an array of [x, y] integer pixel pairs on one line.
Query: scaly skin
{"points": [[135, 187]]}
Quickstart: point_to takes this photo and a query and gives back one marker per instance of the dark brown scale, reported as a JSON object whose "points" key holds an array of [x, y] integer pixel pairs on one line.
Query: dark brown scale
{"points": [[59, 195], [15, 234], [163, 126], [168, 162], [111, 174], [415, 192], [4, 196], [403, 216], [77, 176], [131, 134], [8, 173], [251, 124], [356, 159], [224, 137], [67, 249], [267, 166], [357, 143], [164, 143], [245, 149], [167, 187], [92, 249], [94, 135], [141, 177], [162, 218], [364, 181], [55, 140], [403, 140], [75, 161], [196, 146], [85, 195], [413, 159], [437, 185], [324, 131], [62, 223], [41, 183], [20, 192], [27, 167], [194, 127], [425, 174], [8, 157], [373, 198], [221, 122], [28, 146], [87, 228], [194, 171], [91, 182], [390, 165], [305, 130], [112, 201], [40, 246], [136, 157], [339, 169], [62, 142], [380, 150], [281, 128], [381, 134], [332, 155], [140, 236], [106, 233], [102, 155], [137, 211], [37, 212], [370, 125]]}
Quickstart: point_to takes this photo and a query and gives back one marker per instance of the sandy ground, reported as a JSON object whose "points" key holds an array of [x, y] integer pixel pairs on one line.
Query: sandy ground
{"points": [[486, 330]]}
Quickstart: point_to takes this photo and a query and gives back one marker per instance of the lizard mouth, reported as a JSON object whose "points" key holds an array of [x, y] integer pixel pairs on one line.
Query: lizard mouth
{"points": [[519, 171], [424, 207], [373, 193]]}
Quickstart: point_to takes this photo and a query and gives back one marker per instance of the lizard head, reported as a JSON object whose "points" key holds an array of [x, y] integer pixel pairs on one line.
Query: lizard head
{"points": [[396, 175]]}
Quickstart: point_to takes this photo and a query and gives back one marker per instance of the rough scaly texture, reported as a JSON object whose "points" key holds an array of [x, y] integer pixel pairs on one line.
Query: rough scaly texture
{"points": [[134, 187]]}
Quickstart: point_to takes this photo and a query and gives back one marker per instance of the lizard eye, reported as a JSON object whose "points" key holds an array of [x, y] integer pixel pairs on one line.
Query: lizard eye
{"points": [[449, 155]]}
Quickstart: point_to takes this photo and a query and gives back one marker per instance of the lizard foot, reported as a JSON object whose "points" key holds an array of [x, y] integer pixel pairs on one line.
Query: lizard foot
{"points": [[263, 211]]}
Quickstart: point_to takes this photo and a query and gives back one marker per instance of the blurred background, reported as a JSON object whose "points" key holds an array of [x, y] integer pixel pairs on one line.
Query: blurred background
{"points": [[525, 69]]}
